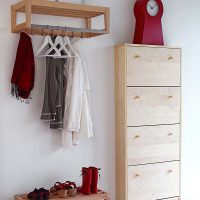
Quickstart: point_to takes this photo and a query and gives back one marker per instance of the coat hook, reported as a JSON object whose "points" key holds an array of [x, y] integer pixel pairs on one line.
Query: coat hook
{"points": [[48, 29]]}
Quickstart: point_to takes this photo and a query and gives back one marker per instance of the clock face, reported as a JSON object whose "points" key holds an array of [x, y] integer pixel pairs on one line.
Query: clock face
{"points": [[152, 7]]}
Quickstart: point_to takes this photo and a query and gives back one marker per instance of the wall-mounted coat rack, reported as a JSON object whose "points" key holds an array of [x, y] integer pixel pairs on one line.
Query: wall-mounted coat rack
{"points": [[44, 7]]}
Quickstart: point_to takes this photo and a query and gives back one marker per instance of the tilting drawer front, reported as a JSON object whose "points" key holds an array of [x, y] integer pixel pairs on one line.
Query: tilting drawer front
{"points": [[150, 144], [147, 66], [153, 105], [154, 181]]}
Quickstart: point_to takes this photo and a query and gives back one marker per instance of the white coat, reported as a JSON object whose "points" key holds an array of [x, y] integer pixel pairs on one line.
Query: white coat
{"points": [[77, 116]]}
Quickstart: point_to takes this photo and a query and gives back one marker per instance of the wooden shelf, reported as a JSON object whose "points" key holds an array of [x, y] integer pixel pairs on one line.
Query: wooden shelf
{"points": [[44, 7], [62, 9], [100, 196], [71, 32]]}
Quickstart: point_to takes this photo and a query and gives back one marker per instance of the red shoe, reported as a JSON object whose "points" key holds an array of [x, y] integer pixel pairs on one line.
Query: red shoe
{"points": [[34, 195], [86, 180], [41, 194], [44, 194], [95, 176]]}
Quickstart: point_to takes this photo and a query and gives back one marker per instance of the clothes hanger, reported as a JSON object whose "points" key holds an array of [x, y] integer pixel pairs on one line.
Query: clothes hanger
{"points": [[46, 42], [56, 42], [63, 47], [59, 41], [66, 41]]}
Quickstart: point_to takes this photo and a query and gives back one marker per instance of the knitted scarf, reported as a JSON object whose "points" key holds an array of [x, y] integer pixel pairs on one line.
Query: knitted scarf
{"points": [[24, 69]]}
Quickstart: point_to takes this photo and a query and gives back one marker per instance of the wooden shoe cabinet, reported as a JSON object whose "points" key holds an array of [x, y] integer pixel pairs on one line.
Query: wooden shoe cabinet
{"points": [[148, 122]]}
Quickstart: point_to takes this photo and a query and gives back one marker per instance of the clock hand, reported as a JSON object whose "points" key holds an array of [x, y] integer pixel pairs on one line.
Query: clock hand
{"points": [[155, 6], [150, 6]]}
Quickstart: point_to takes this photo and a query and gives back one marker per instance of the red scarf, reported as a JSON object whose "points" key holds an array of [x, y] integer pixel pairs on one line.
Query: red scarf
{"points": [[24, 69]]}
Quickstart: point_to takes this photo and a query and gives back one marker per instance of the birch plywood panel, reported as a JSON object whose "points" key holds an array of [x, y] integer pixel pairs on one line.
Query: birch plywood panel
{"points": [[156, 181], [153, 106], [120, 125], [147, 66], [150, 144]]}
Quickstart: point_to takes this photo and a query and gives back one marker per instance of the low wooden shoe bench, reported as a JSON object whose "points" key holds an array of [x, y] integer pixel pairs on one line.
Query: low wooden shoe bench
{"points": [[100, 196]]}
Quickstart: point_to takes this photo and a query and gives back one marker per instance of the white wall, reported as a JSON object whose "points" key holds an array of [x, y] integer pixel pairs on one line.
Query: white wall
{"points": [[181, 28], [30, 153]]}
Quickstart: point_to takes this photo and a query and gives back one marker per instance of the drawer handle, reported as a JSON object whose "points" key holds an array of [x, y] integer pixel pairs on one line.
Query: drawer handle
{"points": [[170, 171], [136, 97], [137, 56], [170, 134], [170, 58], [170, 97], [137, 175], [137, 137]]}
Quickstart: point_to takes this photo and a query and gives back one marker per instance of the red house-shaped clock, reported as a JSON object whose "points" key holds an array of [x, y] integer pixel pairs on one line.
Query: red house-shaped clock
{"points": [[148, 28]]}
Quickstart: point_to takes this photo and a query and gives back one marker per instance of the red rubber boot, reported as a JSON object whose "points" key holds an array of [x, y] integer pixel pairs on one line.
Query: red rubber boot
{"points": [[86, 180], [95, 177]]}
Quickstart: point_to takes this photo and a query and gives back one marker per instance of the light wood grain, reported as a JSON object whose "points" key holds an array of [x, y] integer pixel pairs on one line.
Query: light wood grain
{"points": [[13, 18], [150, 144], [100, 196], [19, 5], [88, 22], [120, 125], [28, 10], [152, 114], [153, 106], [146, 45], [156, 181], [107, 20], [63, 9], [148, 66]]}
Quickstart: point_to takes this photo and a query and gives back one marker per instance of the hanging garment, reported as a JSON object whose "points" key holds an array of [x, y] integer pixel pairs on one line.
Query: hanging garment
{"points": [[54, 95], [86, 114], [53, 106], [60, 108], [86, 130], [78, 120], [24, 69], [73, 99]]}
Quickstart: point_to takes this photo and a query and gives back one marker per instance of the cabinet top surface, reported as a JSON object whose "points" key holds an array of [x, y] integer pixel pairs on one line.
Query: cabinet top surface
{"points": [[144, 45]]}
